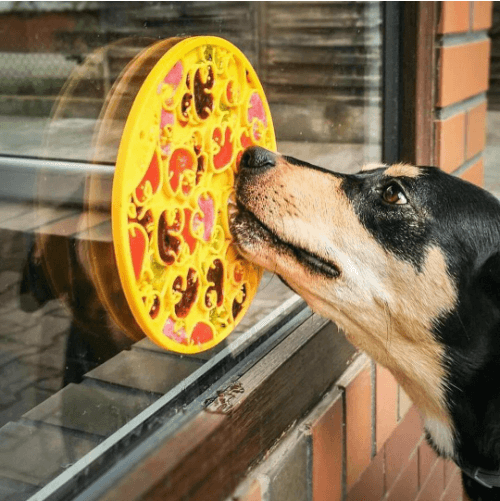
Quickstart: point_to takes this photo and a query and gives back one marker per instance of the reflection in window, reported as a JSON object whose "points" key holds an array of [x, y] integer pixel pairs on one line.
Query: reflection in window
{"points": [[70, 375]]}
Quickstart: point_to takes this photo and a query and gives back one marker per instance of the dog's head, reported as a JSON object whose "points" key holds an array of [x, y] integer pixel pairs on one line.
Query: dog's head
{"points": [[389, 254]]}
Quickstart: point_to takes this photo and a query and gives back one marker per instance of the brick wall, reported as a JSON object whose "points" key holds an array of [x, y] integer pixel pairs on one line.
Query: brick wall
{"points": [[364, 441], [463, 62]]}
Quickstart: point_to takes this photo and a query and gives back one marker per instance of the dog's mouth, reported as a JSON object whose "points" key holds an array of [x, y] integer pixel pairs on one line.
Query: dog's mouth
{"points": [[260, 244]]}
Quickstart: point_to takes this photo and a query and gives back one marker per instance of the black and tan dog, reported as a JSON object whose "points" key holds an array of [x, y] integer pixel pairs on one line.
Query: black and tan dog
{"points": [[406, 261]]}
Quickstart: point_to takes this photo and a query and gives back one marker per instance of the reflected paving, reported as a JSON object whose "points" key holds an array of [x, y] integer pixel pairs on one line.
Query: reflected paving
{"points": [[47, 425]]}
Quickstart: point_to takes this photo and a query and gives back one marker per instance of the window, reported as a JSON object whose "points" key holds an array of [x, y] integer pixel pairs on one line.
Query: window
{"points": [[72, 381]]}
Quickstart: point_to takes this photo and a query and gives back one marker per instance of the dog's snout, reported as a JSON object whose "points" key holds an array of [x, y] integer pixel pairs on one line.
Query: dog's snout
{"points": [[256, 157]]}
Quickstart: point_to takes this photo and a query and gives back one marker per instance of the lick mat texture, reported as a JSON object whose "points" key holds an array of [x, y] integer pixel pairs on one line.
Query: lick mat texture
{"points": [[197, 110]]}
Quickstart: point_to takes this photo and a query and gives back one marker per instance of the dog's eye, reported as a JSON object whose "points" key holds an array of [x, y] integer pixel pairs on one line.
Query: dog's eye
{"points": [[393, 194]]}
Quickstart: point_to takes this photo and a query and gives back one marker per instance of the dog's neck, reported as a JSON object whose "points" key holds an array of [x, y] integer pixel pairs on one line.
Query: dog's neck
{"points": [[475, 414], [472, 339]]}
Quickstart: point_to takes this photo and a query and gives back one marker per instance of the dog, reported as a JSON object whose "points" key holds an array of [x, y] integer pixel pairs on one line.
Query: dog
{"points": [[406, 261]]}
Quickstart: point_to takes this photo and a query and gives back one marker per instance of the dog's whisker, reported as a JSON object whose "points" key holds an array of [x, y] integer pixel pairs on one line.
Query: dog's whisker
{"points": [[269, 279], [466, 331]]}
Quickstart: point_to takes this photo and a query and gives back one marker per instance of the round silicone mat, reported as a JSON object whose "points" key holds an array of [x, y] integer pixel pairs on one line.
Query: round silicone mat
{"points": [[197, 110]]}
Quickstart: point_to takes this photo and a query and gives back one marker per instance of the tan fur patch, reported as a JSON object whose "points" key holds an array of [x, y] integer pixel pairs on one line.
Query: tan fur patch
{"points": [[442, 437], [385, 306], [399, 170]]}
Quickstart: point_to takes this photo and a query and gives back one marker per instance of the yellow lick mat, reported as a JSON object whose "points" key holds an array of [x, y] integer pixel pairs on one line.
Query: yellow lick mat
{"points": [[197, 110]]}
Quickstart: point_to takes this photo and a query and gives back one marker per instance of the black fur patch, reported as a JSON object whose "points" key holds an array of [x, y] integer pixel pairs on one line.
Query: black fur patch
{"points": [[400, 229]]}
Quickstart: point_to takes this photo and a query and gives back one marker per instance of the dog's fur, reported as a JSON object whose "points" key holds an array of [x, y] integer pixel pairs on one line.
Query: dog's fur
{"points": [[406, 261]]}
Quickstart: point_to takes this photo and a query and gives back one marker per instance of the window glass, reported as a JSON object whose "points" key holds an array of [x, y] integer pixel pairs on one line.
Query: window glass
{"points": [[71, 377], [491, 178]]}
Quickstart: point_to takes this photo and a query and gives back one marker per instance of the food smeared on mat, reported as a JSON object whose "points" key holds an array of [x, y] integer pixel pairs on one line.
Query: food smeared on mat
{"points": [[198, 109]]}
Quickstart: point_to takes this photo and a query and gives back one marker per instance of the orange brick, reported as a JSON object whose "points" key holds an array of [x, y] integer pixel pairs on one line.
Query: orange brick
{"points": [[464, 71], [454, 491], [327, 438], [386, 405], [371, 485], [450, 468], [475, 173], [450, 142], [454, 17], [482, 15], [358, 395], [476, 130], [401, 445], [434, 485], [406, 486], [426, 461]]}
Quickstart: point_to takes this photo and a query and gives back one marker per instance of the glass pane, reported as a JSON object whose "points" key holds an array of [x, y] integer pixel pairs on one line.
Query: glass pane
{"points": [[491, 171], [73, 370]]}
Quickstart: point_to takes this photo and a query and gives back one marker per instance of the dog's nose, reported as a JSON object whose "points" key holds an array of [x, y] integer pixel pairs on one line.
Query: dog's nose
{"points": [[256, 157]]}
